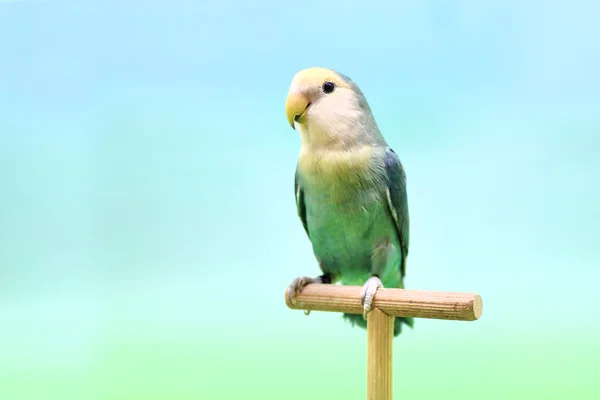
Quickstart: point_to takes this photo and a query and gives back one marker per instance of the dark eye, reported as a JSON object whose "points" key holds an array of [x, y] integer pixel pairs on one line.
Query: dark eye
{"points": [[328, 87]]}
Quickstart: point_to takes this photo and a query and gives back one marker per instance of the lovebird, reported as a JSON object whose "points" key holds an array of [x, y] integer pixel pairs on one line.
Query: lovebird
{"points": [[350, 189]]}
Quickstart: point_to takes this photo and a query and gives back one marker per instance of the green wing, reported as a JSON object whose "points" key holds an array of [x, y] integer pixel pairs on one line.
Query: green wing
{"points": [[398, 201], [301, 207]]}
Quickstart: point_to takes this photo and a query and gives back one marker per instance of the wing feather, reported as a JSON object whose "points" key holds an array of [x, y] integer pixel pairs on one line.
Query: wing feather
{"points": [[397, 200], [300, 206]]}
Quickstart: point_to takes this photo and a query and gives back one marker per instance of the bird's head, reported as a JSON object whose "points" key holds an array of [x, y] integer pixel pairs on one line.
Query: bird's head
{"points": [[327, 108]]}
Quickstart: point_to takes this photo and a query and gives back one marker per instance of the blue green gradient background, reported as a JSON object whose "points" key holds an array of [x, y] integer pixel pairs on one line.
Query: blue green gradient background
{"points": [[147, 221]]}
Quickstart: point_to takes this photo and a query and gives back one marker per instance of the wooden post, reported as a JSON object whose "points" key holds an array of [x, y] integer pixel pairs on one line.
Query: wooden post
{"points": [[380, 335], [387, 304]]}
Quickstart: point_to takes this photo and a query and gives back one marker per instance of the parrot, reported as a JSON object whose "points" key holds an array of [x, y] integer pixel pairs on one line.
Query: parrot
{"points": [[350, 190]]}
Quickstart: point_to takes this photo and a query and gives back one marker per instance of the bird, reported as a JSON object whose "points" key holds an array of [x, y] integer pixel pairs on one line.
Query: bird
{"points": [[350, 190]]}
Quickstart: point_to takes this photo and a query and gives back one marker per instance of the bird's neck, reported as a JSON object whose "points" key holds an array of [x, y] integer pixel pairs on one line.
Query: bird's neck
{"points": [[321, 136], [330, 167], [337, 131]]}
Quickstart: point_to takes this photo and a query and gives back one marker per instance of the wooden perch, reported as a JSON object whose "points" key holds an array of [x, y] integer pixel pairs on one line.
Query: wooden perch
{"points": [[387, 305], [393, 302]]}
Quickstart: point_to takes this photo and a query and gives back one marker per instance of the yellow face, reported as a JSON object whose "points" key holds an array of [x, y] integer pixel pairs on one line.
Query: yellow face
{"points": [[307, 87]]}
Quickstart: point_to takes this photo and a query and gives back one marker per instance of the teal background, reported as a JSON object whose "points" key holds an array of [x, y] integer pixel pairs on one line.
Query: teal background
{"points": [[147, 221]]}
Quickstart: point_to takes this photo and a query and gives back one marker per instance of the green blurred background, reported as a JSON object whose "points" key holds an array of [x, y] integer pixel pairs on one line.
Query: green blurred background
{"points": [[147, 222]]}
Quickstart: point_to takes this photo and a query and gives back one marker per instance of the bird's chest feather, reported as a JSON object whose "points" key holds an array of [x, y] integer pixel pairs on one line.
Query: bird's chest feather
{"points": [[344, 204], [341, 171], [342, 181]]}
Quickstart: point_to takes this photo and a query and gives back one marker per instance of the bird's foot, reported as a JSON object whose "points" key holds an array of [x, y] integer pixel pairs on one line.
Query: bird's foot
{"points": [[368, 292], [297, 285]]}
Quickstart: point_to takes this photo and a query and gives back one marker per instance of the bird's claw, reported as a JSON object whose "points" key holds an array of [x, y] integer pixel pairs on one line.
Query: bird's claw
{"points": [[296, 287], [368, 293]]}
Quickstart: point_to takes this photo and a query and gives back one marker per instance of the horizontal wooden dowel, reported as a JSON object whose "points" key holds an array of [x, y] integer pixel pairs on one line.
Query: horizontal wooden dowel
{"points": [[396, 302]]}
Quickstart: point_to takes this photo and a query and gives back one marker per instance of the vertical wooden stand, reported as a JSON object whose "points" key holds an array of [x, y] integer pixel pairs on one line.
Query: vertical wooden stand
{"points": [[380, 334]]}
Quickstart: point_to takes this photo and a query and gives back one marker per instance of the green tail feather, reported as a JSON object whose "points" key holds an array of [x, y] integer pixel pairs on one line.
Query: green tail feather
{"points": [[358, 320]]}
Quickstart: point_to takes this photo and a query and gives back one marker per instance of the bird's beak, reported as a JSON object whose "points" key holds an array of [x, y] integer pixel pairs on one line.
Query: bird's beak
{"points": [[295, 105]]}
